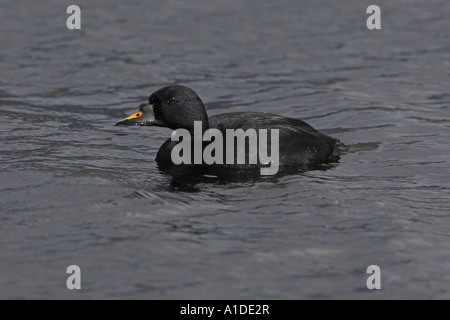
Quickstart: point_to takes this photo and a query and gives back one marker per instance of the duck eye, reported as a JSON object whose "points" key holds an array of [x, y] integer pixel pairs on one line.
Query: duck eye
{"points": [[172, 100]]}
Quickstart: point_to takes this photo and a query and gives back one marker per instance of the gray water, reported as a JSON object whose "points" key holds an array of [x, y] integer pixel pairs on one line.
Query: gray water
{"points": [[75, 190]]}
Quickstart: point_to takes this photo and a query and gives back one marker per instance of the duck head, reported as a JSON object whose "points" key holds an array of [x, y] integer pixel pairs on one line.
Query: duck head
{"points": [[174, 107]]}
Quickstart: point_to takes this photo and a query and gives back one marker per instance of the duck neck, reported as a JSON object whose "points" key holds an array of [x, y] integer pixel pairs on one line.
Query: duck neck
{"points": [[199, 128], [203, 124]]}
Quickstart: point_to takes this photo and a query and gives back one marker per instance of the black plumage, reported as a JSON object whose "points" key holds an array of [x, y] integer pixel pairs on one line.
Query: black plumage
{"points": [[177, 107]]}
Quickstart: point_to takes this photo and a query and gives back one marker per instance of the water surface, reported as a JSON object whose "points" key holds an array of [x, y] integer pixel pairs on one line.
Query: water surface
{"points": [[74, 189]]}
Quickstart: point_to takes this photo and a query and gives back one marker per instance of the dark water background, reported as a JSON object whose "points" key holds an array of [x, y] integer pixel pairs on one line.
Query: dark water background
{"points": [[76, 190]]}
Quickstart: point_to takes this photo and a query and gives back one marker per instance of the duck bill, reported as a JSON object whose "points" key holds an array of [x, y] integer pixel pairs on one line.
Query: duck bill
{"points": [[143, 117], [134, 119]]}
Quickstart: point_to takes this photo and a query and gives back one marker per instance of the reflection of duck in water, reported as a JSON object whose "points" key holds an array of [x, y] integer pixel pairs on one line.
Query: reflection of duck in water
{"points": [[178, 107]]}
